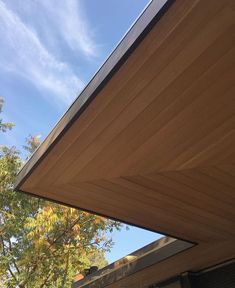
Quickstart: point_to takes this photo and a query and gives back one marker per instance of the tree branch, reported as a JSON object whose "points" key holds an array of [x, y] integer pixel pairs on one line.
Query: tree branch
{"points": [[8, 266], [13, 260], [66, 271], [46, 279]]}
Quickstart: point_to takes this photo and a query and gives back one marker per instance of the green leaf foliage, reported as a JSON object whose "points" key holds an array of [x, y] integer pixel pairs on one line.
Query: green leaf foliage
{"points": [[4, 126], [44, 244]]}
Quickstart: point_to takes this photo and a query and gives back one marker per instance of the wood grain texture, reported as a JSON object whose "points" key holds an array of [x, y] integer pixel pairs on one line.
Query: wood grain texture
{"points": [[156, 146]]}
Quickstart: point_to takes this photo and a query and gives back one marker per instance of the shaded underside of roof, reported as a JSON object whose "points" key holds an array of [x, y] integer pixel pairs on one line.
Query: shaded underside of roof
{"points": [[151, 140]]}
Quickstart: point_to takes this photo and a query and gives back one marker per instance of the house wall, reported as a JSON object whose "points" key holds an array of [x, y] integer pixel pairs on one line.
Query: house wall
{"points": [[222, 276]]}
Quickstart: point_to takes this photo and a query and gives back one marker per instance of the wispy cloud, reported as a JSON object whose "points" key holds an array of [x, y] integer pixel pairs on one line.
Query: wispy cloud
{"points": [[23, 52], [69, 17]]}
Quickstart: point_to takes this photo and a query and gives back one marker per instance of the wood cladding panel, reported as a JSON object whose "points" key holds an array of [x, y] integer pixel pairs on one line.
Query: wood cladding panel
{"points": [[150, 121], [158, 35], [172, 137], [156, 146], [86, 161], [182, 204], [95, 135]]}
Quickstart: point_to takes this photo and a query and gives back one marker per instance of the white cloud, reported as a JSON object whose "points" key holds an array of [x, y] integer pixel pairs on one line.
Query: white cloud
{"points": [[71, 22], [24, 53]]}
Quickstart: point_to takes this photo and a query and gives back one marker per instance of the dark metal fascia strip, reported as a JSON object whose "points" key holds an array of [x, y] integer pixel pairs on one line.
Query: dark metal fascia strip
{"points": [[150, 16]]}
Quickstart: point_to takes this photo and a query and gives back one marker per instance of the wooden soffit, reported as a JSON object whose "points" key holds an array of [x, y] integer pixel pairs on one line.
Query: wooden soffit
{"points": [[151, 141]]}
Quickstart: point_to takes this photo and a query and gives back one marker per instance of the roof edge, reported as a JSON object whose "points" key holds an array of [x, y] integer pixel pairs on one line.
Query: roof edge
{"points": [[134, 36], [146, 256]]}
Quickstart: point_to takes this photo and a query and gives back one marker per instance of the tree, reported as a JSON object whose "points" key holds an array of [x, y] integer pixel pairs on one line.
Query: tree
{"points": [[97, 259], [32, 143], [44, 244], [4, 126]]}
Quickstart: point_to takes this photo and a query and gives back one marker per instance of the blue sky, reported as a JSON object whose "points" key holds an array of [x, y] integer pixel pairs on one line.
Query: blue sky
{"points": [[49, 52]]}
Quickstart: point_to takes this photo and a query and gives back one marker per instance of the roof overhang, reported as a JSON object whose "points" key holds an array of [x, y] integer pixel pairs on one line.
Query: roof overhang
{"points": [[131, 264], [150, 141]]}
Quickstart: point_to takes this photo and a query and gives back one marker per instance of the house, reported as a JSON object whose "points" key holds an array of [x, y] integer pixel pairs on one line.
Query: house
{"points": [[151, 142]]}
